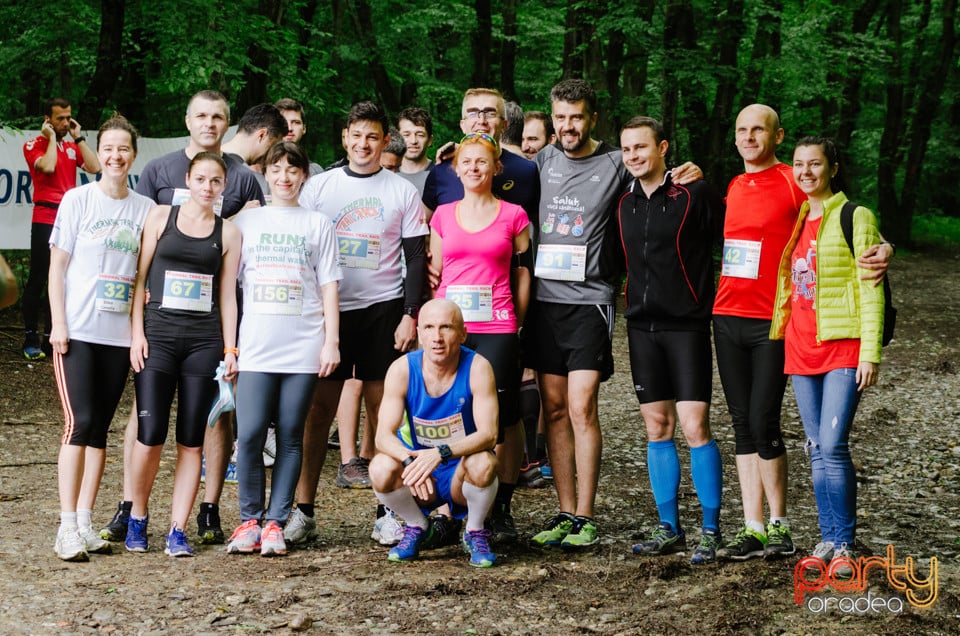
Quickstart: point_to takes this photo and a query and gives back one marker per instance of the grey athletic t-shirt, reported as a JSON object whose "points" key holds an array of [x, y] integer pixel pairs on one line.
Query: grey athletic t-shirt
{"points": [[576, 262]]}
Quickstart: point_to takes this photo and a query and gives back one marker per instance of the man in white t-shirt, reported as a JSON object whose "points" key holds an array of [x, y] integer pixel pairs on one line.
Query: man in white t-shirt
{"points": [[377, 215]]}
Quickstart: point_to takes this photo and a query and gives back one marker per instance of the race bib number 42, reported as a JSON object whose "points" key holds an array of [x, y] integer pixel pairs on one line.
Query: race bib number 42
{"points": [[561, 262], [189, 291], [741, 259]]}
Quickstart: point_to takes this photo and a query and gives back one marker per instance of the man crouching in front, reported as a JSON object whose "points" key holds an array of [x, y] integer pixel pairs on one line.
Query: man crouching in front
{"points": [[442, 451]]}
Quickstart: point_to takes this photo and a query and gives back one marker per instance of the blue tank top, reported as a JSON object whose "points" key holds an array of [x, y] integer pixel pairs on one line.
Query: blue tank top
{"points": [[432, 421]]}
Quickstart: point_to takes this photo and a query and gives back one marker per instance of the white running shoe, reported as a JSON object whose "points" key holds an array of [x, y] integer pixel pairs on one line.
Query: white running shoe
{"points": [[270, 448], [300, 528], [387, 530], [93, 541], [70, 546]]}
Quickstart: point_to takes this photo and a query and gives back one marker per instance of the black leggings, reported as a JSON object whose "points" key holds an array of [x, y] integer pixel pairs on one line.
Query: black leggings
{"points": [[35, 291], [751, 371], [187, 364], [91, 379]]}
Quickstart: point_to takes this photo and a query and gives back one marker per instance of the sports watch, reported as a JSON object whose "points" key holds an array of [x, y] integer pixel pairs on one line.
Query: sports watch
{"points": [[445, 453]]}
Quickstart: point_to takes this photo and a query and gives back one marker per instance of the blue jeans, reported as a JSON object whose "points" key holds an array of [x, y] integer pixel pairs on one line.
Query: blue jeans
{"points": [[827, 405], [261, 397]]}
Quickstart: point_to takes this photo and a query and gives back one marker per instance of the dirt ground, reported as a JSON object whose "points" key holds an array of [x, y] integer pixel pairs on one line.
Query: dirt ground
{"points": [[906, 444]]}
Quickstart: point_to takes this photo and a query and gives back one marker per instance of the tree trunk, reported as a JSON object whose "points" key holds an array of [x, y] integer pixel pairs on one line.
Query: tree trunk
{"points": [[109, 64], [363, 23], [888, 204], [481, 45], [508, 50], [679, 39], [720, 122], [766, 45], [254, 91]]}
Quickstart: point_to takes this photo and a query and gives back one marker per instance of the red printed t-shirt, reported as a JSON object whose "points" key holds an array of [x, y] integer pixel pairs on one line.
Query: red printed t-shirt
{"points": [[804, 356], [49, 188], [762, 209], [476, 267]]}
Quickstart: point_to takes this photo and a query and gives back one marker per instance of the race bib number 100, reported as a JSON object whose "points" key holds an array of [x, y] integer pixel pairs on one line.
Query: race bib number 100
{"points": [[432, 433], [185, 290], [741, 259], [561, 262]]}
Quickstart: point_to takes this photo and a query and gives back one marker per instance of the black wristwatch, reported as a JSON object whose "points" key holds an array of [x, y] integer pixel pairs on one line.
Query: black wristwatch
{"points": [[411, 310], [445, 453]]}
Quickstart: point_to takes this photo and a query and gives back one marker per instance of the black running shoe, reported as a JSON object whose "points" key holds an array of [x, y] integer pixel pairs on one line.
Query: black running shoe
{"points": [[208, 524], [116, 530], [446, 531]]}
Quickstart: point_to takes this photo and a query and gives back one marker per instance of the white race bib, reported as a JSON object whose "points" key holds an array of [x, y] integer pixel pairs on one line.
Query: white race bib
{"points": [[359, 251], [433, 433], [562, 262], [741, 259], [475, 301], [185, 290], [277, 296], [113, 293]]}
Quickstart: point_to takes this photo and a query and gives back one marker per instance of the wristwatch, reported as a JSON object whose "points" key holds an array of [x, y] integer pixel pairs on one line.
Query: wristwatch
{"points": [[445, 453]]}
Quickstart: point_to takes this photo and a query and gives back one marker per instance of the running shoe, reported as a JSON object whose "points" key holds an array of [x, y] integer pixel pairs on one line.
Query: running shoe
{"points": [[663, 540], [387, 530], [446, 531], [31, 346], [582, 535], [93, 541], [706, 550], [502, 528], [177, 545], [546, 471], [270, 448], [409, 547], [208, 524], [300, 528], [230, 477], [245, 539], [555, 531], [824, 551], [271, 540], [116, 530], [354, 474], [840, 567], [746, 545], [531, 476], [136, 540], [69, 545], [476, 543], [779, 541]]}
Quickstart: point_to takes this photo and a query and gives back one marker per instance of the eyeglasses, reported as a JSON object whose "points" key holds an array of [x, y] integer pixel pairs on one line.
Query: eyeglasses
{"points": [[482, 115], [484, 136]]}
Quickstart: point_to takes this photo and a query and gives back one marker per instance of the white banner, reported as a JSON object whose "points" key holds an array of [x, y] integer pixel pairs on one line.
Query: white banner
{"points": [[16, 187]]}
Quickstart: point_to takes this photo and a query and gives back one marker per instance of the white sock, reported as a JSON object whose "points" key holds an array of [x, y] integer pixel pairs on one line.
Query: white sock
{"points": [[401, 501], [783, 521], [68, 520], [479, 503], [756, 526], [84, 518]]}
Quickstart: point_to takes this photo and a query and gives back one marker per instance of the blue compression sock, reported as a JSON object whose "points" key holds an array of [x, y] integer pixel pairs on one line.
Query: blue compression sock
{"points": [[708, 480], [664, 467]]}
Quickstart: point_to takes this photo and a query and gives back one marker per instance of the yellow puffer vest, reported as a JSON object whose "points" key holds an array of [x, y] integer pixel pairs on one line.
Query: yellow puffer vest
{"points": [[846, 306]]}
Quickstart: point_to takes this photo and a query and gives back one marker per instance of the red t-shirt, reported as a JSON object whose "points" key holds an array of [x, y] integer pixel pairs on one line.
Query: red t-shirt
{"points": [[762, 209], [804, 356], [49, 188]]}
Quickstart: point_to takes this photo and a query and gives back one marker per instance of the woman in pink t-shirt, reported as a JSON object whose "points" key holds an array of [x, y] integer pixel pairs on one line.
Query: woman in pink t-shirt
{"points": [[481, 247]]}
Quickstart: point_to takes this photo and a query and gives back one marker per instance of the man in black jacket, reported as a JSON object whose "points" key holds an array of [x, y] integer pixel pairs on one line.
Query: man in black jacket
{"points": [[668, 231]]}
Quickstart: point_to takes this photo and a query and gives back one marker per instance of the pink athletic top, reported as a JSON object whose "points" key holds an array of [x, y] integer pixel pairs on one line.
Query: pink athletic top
{"points": [[476, 267]]}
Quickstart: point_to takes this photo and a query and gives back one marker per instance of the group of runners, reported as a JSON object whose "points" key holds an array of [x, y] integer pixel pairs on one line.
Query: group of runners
{"points": [[524, 259]]}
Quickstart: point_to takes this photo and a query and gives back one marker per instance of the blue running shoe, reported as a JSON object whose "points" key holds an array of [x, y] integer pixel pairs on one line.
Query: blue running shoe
{"points": [[409, 547], [137, 534], [476, 543], [177, 545], [231, 475]]}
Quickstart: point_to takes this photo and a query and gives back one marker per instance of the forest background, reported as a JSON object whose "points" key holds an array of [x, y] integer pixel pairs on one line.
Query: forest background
{"points": [[880, 76]]}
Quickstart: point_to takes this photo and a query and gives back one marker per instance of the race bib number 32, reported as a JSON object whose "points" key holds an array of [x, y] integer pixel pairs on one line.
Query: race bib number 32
{"points": [[113, 293], [185, 290]]}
